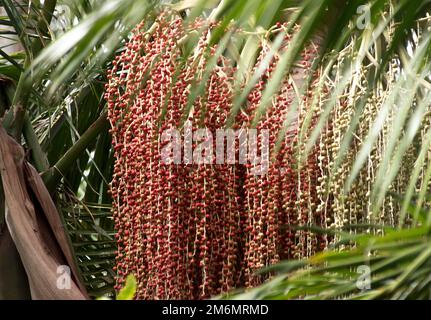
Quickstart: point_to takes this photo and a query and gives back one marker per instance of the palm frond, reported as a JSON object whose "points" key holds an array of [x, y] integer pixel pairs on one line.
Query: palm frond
{"points": [[393, 266], [90, 227]]}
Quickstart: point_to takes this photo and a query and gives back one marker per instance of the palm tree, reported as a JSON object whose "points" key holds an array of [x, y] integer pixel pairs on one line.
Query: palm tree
{"points": [[369, 113]]}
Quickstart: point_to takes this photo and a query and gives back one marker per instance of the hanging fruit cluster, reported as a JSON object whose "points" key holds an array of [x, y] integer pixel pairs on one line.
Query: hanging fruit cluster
{"points": [[192, 231], [189, 231], [342, 209], [286, 195], [177, 225]]}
